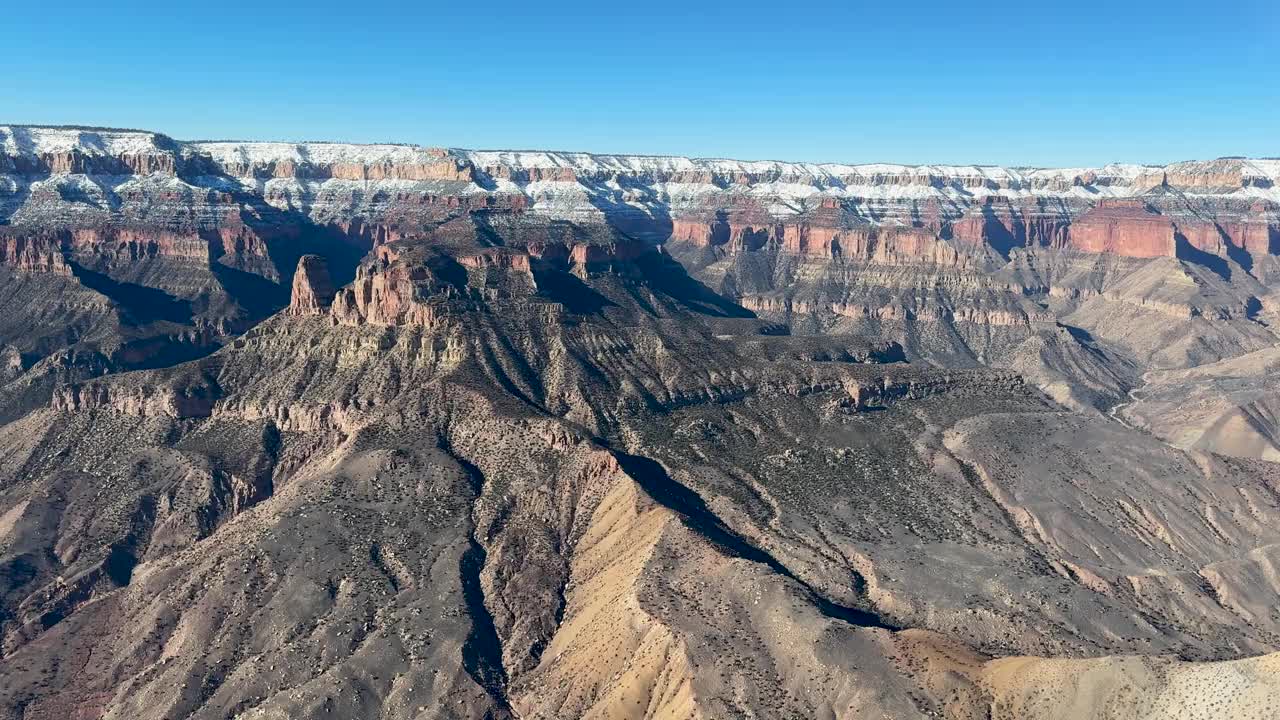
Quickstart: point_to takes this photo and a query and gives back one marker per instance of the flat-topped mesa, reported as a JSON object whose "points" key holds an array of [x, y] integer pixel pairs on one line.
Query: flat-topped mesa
{"points": [[313, 289], [408, 293], [424, 285]]}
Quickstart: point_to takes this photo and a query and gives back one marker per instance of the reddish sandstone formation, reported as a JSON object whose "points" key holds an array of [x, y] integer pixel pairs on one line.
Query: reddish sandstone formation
{"points": [[312, 287], [589, 256], [401, 294], [45, 251], [550, 251], [824, 237], [499, 258], [703, 233], [898, 244], [133, 243], [34, 252], [820, 241], [988, 224], [1257, 233], [1201, 235], [77, 161], [1123, 227]]}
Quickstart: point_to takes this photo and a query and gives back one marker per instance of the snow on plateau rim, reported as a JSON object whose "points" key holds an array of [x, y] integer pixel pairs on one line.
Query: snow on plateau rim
{"points": [[320, 153], [29, 140], [24, 140]]}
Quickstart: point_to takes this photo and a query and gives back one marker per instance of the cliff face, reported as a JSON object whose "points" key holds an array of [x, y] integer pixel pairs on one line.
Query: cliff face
{"points": [[1123, 227], [312, 287], [414, 286], [33, 252]]}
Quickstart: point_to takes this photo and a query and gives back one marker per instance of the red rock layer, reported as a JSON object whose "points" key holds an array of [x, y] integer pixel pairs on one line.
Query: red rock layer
{"points": [[396, 289], [1201, 235], [134, 244], [1004, 224], [1256, 232], [33, 253], [1123, 227], [589, 256], [386, 297], [497, 258], [46, 251], [815, 239], [312, 287], [1127, 227]]}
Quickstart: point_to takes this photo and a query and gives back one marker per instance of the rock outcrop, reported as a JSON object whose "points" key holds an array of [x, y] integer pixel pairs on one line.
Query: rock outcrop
{"points": [[33, 252], [191, 401], [313, 289]]}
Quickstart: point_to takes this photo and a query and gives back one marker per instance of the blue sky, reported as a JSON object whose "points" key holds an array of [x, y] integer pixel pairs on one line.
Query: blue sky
{"points": [[1052, 83]]}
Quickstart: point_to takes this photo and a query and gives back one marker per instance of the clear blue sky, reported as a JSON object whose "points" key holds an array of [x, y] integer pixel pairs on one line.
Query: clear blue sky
{"points": [[998, 81]]}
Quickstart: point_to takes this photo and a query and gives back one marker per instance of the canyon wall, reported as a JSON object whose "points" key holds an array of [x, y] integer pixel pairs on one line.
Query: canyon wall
{"points": [[156, 192]]}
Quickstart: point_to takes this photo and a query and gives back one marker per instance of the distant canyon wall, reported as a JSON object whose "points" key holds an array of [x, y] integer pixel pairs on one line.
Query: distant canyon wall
{"points": [[114, 195]]}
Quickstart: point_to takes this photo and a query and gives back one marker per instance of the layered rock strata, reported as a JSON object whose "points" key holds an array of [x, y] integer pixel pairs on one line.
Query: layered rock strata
{"points": [[1066, 274]]}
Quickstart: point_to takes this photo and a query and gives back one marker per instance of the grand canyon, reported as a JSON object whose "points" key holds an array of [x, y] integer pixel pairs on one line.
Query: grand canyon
{"points": [[323, 430]]}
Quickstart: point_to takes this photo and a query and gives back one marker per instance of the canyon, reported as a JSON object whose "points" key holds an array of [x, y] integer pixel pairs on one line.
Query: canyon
{"points": [[332, 430]]}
